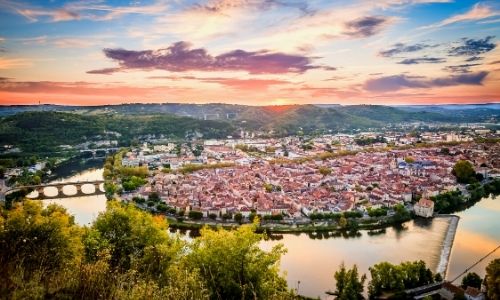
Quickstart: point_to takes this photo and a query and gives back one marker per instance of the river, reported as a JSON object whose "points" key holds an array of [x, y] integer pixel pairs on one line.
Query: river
{"points": [[313, 258], [86, 208]]}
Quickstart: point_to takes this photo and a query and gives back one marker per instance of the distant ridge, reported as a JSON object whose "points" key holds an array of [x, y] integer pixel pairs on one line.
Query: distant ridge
{"points": [[289, 118]]}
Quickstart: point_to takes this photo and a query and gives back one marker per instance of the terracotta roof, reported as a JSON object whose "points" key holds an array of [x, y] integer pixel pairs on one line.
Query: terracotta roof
{"points": [[474, 292], [452, 288], [426, 202]]}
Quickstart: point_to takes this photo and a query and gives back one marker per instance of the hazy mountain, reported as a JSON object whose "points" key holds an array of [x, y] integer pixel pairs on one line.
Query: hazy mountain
{"points": [[308, 116]]}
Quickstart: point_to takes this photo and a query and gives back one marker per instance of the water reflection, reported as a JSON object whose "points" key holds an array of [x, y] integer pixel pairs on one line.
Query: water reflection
{"points": [[319, 235], [376, 232], [274, 237], [84, 208], [478, 233], [70, 190], [186, 234], [312, 258], [75, 166], [423, 222]]}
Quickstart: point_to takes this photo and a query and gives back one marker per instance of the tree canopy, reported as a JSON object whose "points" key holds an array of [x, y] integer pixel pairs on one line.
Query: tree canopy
{"points": [[234, 266], [349, 285], [37, 244], [127, 253], [387, 277], [492, 279], [464, 172], [472, 280]]}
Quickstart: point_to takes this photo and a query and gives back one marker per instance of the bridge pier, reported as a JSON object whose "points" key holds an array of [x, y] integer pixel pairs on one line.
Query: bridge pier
{"points": [[59, 186], [79, 191], [41, 192]]}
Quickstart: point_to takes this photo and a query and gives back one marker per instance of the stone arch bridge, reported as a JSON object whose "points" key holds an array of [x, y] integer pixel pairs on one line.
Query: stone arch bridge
{"points": [[98, 189]]}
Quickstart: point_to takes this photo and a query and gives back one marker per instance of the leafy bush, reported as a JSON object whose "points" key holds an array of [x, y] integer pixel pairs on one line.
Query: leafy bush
{"points": [[195, 215]]}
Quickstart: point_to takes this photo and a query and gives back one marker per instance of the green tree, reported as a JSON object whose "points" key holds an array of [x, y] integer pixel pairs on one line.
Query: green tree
{"points": [[472, 280], [492, 279], [37, 179], [325, 171], [377, 212], [226, 216], [141, 172], [128, 235], [110, 189], [234, 267], [37, 246], [387, 277], [107, 174], [138, 200], [464, 172], [268, 187], [125, 254], [401, 213], [416, 274], [195, 215], [342, 222], [161, 207], [132, 183], [349, 286], [154, 196], [352, 225], [252, 216], [238, 217]]}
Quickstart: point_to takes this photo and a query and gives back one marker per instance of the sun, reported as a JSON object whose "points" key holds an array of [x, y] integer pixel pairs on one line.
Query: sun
{"points": [[280, 101]]}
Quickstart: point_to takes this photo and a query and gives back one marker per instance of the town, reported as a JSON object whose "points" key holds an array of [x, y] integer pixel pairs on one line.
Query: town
{"points": [[250, 149], [295, 179]]}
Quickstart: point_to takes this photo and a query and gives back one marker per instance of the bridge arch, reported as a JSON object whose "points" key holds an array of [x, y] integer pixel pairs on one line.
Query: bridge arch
{"points": [[88, 188], [60, 190], [69, 190]]}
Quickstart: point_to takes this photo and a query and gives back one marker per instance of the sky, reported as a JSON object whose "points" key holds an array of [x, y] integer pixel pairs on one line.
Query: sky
{"points": [[253, 52]]}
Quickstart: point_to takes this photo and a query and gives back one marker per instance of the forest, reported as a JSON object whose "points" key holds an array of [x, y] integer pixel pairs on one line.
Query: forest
{"points": [[127, 253], [42, 133]]}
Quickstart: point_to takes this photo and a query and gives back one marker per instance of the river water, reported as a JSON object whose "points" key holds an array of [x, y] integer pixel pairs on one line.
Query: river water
{"points": [[313, 258], [85, 208]]}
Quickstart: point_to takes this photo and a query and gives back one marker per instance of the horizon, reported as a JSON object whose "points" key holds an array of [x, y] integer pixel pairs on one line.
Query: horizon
{"points": [[249, 52], [257, 105]]}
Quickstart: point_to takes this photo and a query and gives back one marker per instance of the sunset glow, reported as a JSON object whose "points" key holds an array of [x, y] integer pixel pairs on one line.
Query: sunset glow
{"points": [[253, 52]]}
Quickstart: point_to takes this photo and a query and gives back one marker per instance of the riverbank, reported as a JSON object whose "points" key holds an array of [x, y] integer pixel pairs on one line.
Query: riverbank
{"points": [[73, 166], [444, 258], [353, 224], [283, 228]]}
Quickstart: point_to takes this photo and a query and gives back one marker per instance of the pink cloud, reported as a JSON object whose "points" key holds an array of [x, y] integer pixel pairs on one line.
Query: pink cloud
{"points": [[180, 57]]}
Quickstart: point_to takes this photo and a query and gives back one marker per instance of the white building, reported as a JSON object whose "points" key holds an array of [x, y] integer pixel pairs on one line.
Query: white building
{"points": [[424, 208]]}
